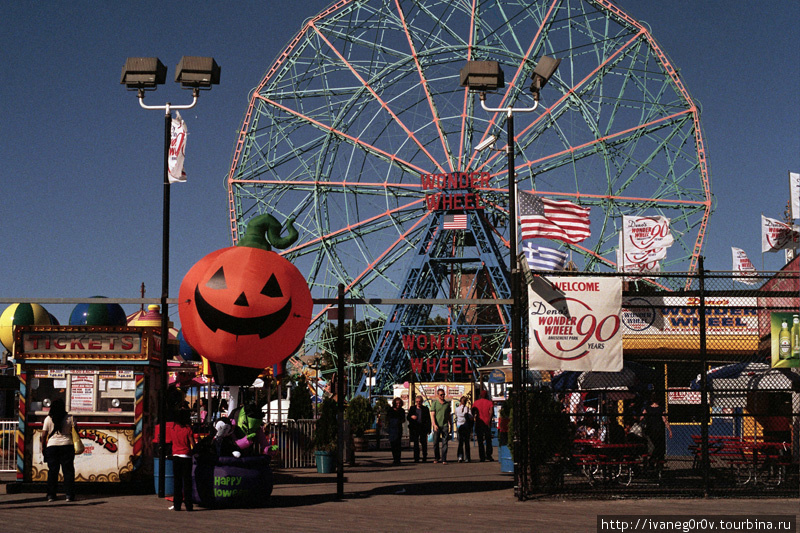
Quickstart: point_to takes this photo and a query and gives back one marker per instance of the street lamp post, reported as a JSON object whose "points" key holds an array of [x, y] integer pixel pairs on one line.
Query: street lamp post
{"points": [[145, 74], [485, 76], [368, 372], [316, 368]]}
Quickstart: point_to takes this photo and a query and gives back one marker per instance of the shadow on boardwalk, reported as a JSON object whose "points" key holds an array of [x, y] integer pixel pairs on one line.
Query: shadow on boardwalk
{"points": [[377, 497]]}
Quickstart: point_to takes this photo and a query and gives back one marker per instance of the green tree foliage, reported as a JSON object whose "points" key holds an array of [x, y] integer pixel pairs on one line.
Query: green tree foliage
{"points": [[360, 337], [360, 414]]}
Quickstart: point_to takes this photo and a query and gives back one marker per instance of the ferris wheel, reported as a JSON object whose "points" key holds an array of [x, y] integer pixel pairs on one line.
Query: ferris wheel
{"points": [[365, 100]]}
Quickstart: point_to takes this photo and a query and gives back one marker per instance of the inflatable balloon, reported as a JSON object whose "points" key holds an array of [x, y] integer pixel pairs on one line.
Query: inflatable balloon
{"points": [[22, 315], [185, 349], [110, 314], [246, 305]]}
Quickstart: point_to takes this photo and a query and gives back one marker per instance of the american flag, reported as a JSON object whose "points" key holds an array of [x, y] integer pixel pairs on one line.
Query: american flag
{"points": [[552, 219], [541, 258], [455, 221]]}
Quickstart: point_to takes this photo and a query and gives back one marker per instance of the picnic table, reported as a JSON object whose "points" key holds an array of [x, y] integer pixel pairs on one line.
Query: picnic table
{"points": [[618, 463], [751, 460]]}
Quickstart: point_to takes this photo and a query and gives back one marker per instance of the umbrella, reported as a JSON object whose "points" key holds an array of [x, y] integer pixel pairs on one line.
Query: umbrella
{"points": [[747, 376], [731, 385]]}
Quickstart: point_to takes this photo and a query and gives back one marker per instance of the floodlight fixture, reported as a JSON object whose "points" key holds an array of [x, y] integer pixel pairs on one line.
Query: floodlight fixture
{"points": [[482, 76], [143, 73], [542, 73], [488, 142], [195, 72]]}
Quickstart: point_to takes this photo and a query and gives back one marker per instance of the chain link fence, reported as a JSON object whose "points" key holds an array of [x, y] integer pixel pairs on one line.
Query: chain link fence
{"points": [[707, 402]]}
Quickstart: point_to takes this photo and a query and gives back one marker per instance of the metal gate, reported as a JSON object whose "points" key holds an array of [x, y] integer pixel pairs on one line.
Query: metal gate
{"points": [[707, 402], [8, 445]]}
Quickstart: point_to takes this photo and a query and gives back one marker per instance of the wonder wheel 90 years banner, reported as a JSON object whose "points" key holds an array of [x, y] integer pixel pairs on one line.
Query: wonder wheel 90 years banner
{"points": [[574, 324]]}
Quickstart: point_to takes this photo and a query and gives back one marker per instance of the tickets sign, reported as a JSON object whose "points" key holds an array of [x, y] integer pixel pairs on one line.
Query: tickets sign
{"points": [[575, 324]]}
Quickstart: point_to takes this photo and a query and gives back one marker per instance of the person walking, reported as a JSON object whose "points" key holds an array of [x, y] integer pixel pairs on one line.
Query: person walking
{"points": [[419, 427], [442, 423], [395, 418], [655, 426], [464, 428], [58, 450], [182, 445], [483, 409]]}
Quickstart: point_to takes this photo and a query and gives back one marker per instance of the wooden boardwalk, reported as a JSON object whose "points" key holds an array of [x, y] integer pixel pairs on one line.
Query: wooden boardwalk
{"points": [[378, 497]]}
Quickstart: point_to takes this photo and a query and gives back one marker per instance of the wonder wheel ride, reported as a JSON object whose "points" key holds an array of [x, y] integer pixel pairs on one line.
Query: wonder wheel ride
{"points": [[365, 102]]}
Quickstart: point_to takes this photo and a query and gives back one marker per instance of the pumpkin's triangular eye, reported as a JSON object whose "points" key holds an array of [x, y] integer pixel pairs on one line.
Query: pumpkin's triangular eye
{"points": [[217, 281], [272, 288]]}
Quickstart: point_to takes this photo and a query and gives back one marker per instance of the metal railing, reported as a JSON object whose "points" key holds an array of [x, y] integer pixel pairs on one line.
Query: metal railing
{"points": [[8, 445], [293, 438]]}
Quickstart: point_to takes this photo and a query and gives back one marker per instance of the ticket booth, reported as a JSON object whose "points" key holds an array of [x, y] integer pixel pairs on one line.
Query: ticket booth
{"points": [[109, 379]]}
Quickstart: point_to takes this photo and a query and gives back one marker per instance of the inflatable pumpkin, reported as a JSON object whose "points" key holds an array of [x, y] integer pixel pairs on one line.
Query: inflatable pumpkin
{"points": [[246, 305]]}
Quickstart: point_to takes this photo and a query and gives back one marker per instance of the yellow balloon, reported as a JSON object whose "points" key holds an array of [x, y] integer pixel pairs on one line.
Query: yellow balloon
{"points": [[21, 315]]}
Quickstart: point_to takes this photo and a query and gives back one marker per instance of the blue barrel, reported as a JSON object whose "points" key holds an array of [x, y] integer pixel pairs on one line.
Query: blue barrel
{"points": [[169, 479], [506, 462]]}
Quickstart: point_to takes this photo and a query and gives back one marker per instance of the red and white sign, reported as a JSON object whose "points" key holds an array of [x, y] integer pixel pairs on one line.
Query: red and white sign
{"points": [[574, 324], [81, 396], [683, 397], [643, 242], [177, 150], [775, 235], [743, 267], [642, 234], [640, 262]]}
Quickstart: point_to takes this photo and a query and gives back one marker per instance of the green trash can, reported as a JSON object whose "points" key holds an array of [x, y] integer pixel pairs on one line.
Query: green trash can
{"points": [[325, 462]]}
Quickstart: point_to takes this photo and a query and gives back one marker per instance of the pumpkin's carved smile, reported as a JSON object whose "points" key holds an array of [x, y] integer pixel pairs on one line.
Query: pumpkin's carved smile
{"points": [[262, 326]]}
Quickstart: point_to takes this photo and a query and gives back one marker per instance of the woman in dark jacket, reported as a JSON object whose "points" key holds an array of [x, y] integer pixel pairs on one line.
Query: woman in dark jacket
{"points": [[395, 418]]}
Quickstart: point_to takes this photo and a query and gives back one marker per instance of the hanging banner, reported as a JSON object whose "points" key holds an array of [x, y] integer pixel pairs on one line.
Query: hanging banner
{"points": [[642, 234], [775, 235], [177, 150], [794, 187], [743, 268], [574, 324], [639, 262]]}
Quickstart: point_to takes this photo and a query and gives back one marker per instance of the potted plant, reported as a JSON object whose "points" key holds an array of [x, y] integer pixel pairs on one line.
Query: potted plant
{"points": [[546, 437], [326, 437], [360, 414]]}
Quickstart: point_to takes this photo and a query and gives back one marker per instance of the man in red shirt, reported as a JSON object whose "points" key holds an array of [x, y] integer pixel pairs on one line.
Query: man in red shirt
{"points": [[483, 410]]}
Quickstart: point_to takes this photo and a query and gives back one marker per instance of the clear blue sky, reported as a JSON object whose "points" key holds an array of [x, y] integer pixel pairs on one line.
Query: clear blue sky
{"points": [[81, 161]]}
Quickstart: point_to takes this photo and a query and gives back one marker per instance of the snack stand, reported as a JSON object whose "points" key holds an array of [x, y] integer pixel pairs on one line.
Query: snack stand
{"points": [[108, 376]]}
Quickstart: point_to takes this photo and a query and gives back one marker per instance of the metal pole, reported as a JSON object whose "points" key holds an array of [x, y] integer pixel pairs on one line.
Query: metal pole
{"points": [[316, 386], [340, 396], [516, 367], [704, 414], [162, 399]]}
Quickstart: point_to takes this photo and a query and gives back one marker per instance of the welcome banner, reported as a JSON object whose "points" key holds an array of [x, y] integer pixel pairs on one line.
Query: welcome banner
{"points": [[574, 324]]}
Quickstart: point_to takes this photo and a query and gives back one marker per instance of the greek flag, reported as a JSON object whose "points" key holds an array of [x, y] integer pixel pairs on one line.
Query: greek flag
{"points": [[541, 258]]}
